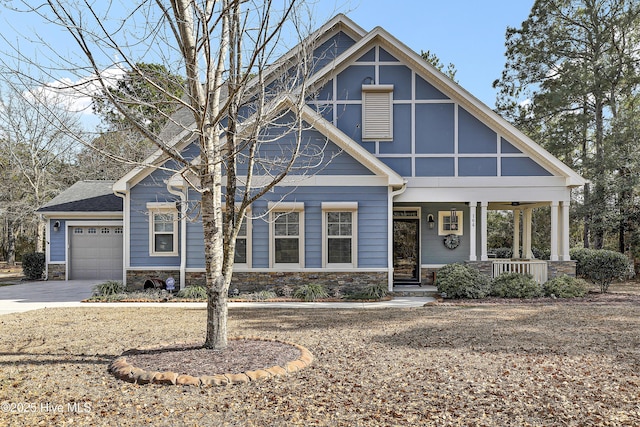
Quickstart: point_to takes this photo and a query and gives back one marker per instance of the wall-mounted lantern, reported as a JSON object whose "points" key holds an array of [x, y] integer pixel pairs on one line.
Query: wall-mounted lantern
{"points": [[56, 226], [431, 221]]}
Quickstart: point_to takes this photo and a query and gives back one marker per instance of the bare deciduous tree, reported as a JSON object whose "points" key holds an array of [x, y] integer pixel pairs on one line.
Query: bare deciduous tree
{"points": [[239, 99]]}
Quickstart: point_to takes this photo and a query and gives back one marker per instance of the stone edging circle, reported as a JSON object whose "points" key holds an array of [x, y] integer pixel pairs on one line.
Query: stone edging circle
{"points": [[122, 370]]}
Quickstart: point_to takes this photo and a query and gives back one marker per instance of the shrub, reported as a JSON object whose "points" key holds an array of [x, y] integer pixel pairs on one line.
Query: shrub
{"points": [[539, 253], [503, 252], [112, 287], [193, 292], [310, 292], [33, 265], [601, 266], [462, 281], [565, 287], [375, 290], [260, 296], [515, 285], [579, 255]]}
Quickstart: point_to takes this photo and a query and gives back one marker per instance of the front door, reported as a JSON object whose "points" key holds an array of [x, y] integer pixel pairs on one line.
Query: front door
{"points": [[406, 250]]}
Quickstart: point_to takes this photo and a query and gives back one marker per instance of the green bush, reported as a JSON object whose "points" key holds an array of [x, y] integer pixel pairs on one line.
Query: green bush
{"points": [[193, 292], [579, 255], [503, 252], [260, 296], [601, 266], [539, 253], [515, 285], [375, 290], [310, 292], [565, 287], [462, 281], [33, 265], [112, 287]]}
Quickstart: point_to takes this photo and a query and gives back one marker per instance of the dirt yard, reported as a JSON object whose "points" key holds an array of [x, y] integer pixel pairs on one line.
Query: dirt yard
{"points": [[549, 363]]}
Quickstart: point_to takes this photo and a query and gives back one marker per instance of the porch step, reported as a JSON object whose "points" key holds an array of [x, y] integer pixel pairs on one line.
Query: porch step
{"points": [[415, 291]]}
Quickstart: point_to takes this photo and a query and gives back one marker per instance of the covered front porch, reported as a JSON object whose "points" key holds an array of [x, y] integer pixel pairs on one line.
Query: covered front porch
{"points": [[430, 235]]}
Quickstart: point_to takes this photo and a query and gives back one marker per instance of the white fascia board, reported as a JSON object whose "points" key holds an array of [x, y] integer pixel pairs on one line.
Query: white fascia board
{"points": [[91, 215], [320, 181], [497, 182], [479, 194], [95, 222]]}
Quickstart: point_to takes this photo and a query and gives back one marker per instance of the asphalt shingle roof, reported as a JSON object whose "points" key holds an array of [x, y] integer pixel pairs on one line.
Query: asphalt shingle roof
{"points": [[85, 196]]}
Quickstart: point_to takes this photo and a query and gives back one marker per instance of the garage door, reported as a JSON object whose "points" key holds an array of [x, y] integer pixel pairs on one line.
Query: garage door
{"points": [[95, 252]]}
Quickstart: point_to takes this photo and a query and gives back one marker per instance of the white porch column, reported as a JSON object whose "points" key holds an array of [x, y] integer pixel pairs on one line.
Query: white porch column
{"points": [[483, 231], [526, 235], [473, 207], [564, 247], [516, 233], [554, 231]]}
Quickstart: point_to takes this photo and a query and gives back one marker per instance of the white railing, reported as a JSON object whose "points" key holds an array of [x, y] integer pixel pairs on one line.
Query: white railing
{"points": [[538, 269]]}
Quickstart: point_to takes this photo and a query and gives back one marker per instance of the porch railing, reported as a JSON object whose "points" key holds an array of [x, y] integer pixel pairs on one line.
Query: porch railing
{"points": [[538, 269]]}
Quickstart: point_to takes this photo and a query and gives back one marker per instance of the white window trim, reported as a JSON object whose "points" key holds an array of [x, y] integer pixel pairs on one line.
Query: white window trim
{"points": [[276, 208], [442, 231], [160, 207], [381, 94], [340, 207]]}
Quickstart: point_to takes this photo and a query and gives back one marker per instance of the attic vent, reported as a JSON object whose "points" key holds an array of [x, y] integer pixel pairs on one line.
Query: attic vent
{"points": [[377, 112]]}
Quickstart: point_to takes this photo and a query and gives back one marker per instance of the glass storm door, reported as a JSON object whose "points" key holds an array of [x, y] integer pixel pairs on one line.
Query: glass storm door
{"points": [[406, 267]]}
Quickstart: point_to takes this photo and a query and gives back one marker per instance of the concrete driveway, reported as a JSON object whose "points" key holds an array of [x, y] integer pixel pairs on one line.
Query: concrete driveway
{"points": [[27, 296], [36, 295]]}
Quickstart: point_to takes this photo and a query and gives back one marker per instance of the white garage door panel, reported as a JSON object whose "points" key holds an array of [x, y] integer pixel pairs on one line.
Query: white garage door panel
{"points": [[95, 252]]}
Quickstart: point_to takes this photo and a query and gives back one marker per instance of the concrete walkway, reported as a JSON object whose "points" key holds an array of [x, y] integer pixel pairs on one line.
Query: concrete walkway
{"points": [[28, 296]]}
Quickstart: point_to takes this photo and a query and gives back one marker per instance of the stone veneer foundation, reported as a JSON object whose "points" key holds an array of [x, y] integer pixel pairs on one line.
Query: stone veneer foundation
{"points": [[57, 272], [344, 282]]}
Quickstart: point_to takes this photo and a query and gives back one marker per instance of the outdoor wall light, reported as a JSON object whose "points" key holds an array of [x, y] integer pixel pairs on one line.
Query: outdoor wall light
{"points": [[56, 226], [431, 221]]}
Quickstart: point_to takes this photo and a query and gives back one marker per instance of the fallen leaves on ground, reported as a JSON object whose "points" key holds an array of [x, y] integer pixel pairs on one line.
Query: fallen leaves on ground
{"points": [[524, 364]]}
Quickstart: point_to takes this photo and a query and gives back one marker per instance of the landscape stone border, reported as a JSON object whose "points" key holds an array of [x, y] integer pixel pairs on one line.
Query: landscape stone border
{"points": [[122, 370]]}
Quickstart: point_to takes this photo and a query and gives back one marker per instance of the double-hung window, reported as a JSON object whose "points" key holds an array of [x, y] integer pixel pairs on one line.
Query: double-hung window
{"points": [[287, 234], [340, 225], [163, 229]]}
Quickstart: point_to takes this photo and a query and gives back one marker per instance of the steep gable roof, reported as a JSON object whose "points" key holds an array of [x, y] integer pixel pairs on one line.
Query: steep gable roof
{"points": [[363, 42]]}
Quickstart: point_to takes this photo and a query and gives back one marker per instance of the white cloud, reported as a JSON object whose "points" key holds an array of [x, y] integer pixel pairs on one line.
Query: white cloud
{"points": [[76, 96]]}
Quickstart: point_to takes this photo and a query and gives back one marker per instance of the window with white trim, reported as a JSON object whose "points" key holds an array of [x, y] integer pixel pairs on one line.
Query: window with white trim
{"points": [[163, 229], [287, 234], [377, 112], [339, 234], [449, 224]]}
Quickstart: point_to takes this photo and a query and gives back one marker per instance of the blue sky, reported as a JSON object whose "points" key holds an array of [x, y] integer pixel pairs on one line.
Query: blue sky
{"points": [[468, 33]]}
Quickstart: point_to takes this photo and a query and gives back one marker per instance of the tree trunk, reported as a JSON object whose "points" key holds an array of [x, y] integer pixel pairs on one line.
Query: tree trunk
{"points": [[11, 244], [216, 338], [211, 207], [40, 232]]}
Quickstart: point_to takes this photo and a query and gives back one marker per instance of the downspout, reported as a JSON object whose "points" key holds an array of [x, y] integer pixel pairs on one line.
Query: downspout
{"points": [[392, 195], [125, 234], [183, 233]]}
